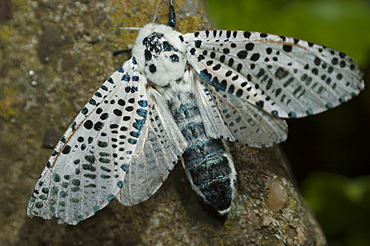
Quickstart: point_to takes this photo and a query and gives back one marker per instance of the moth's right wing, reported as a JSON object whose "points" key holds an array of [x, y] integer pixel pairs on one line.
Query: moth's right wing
{"points": [[229, 117], [286, 77]]}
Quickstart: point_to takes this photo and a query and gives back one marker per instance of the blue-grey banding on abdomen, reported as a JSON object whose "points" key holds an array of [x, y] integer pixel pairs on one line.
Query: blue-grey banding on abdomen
{"points": [[207, 163]]}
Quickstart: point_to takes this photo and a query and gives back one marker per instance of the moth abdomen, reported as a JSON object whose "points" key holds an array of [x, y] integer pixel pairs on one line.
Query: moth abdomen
{"points": [[211, 173], [208, 165]]}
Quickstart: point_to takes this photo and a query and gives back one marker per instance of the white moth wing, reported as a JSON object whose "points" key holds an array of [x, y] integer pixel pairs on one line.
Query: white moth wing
{"points": [[286, 77], [212, 119], [228, 117], [86, 169], [247, 123], [160, 150]]}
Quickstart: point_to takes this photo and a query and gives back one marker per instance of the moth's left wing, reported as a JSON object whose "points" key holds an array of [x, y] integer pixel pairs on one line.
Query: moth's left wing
{"points": [[156, 154], [87, 168], [286, 77]]}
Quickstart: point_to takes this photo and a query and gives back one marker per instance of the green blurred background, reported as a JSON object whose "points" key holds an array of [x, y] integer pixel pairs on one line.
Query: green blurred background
{"points": [[329, 153]]}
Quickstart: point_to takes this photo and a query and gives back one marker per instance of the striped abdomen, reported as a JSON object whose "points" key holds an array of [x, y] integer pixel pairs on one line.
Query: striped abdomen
{"points": [[208, 165]]}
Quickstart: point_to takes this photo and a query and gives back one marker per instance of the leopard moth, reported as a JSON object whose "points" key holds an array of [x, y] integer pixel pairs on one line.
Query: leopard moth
{"points": [[184, 96]]}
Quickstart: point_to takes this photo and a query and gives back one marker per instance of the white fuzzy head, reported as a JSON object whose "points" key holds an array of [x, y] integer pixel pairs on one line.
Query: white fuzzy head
{"points": [[160, 54]]}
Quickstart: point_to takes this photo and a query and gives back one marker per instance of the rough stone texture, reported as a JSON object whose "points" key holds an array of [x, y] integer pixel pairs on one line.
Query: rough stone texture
{"points": [[54, 55]]}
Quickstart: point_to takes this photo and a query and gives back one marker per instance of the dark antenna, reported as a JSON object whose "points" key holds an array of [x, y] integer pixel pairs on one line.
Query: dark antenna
{"points": [[172, 21], [117, 52]]}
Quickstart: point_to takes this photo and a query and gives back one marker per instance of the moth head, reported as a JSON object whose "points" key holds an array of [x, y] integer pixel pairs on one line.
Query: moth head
{"points": [[159, 53]]}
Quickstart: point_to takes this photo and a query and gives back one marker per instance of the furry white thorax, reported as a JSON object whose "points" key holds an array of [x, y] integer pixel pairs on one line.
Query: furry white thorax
{"points": [[161, 65]]}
